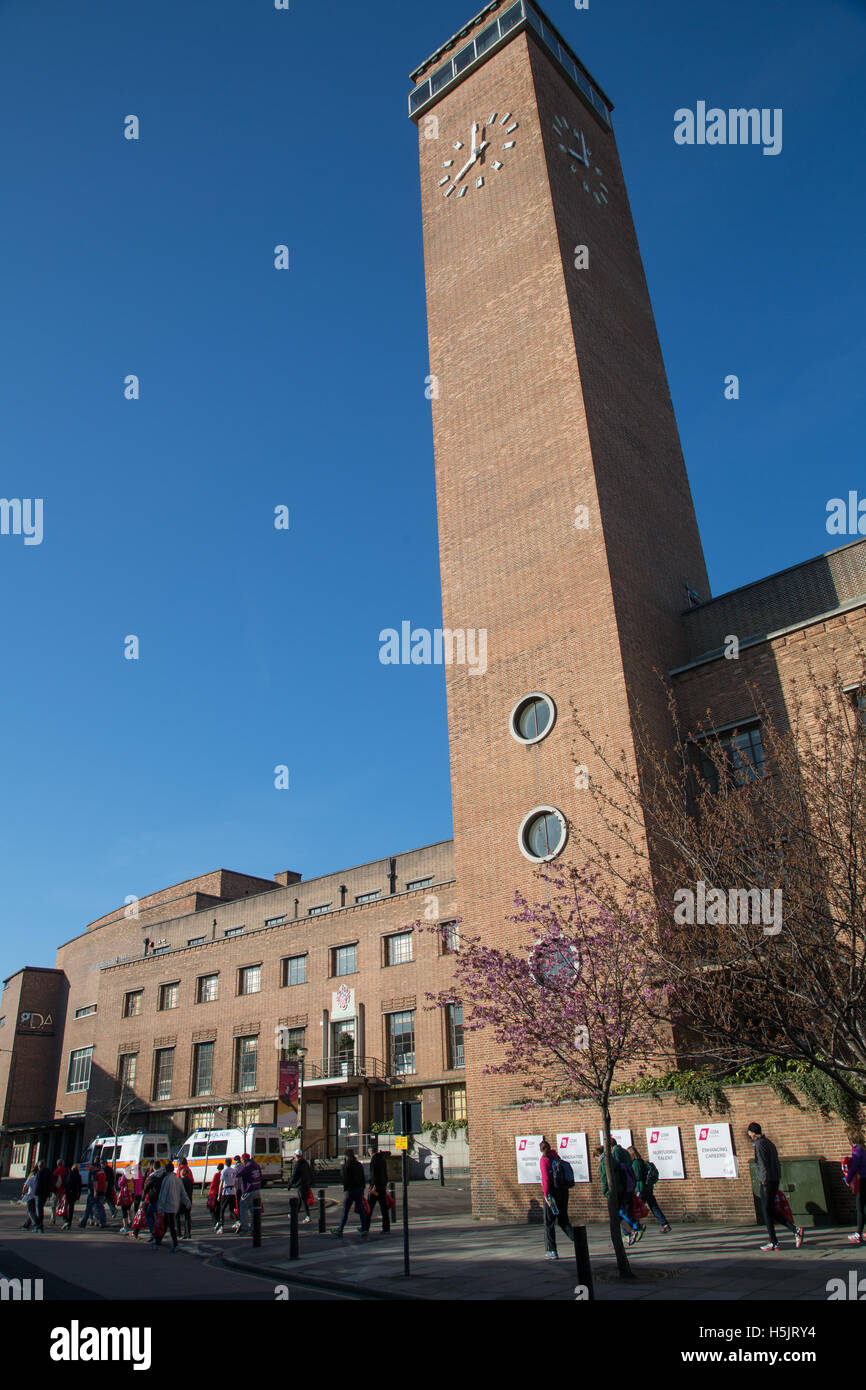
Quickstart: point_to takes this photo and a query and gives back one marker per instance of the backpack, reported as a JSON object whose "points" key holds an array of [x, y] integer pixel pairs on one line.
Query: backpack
{"points": [[626, 1177], [563, 1173], [651, 1176]]}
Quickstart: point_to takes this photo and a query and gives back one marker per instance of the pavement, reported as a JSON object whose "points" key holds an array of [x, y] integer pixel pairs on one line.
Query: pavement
{"points": [[452, 1256]]}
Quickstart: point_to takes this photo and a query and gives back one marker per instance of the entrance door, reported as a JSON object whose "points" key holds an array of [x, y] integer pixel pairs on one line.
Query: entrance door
{"points": [[342, 1124], [20, 1165]]}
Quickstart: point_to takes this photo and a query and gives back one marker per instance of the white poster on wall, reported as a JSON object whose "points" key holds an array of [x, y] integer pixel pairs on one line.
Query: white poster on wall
{"points": [[617, 1136], [716, 1151], [528, 1156], [665, 1150], [573, 1148]]}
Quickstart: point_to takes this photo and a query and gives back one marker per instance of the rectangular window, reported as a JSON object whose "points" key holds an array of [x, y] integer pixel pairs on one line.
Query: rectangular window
{"points": [[487, 38], [202, 1069], [203, 1119], [398, 949], [275, 921], [455, 1102], [368, 897], [233, 931], [163, 1070], [169, 995], [419, 883], [86, 1011], [240, 1116], [465, 57], [455, 1035], [317, 911], [511, 17], [132, 1003], [78, 1077], [344, 960], [450, 939], [250, 979], [126, 1068], [207, 988], [401, 1043], [160, 950], [441, 77], [292, 1038], [742, 753], [246, 1063], [196, 941], [294, 970]]}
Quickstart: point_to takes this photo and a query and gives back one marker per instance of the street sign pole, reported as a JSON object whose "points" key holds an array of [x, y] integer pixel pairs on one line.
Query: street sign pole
{"points": [[406, 1213]]}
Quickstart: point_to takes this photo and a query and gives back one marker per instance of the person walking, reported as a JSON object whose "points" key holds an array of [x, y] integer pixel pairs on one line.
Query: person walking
{"points": [[73, 1192], [151, 1197], [213, 1197], [124, 1201], [302, 1181], [44, 1185], [352, 1175], [646, 1175], [184, 1172], [28, 1195], [623, 1187], [111, 1189], [379, 1188], [227, 1190], [138, 1178], [555, 1199], [172, 1199], [250, 1180], [58, 1187], [769, 1176], [854, 1170]]}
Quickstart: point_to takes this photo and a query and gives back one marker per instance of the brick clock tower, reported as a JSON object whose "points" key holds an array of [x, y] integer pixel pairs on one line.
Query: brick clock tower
{"points": [[566, 524]]}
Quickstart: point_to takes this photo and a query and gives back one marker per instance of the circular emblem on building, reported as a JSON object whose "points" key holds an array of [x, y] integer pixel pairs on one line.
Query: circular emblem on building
{"points": [[344, 996]]}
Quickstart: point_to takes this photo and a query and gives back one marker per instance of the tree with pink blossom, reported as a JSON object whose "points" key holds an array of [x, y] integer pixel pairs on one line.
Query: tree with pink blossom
{"points": [[576, 1006]]}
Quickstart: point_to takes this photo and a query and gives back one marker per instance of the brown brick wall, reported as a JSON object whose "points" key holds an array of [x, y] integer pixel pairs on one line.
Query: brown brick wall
{"points": [[796, 1134]]}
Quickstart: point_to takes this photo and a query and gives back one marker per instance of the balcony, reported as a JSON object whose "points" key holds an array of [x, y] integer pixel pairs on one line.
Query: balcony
{"points": [[344, 1066]]}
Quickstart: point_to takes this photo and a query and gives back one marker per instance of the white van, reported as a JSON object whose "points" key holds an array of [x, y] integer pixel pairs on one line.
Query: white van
{"points": [[126, 1148], [205, 1149]]}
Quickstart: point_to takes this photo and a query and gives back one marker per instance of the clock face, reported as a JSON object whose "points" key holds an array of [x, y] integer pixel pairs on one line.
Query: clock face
{"points": [[480, 154], [574, 148]]}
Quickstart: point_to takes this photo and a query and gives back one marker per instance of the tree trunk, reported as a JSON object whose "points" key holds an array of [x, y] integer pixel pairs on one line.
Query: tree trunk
{"points": [[622, 1263]]}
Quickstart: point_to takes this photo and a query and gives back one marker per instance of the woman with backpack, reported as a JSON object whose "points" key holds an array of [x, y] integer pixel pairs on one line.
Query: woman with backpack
{"points": [[624, 1188], [854, 1173], [554, 1186], [646, 1175]]}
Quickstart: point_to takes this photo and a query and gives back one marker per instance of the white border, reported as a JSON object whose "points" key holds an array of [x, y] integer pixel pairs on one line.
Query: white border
{"points": [[512, 718], [539, 811]]}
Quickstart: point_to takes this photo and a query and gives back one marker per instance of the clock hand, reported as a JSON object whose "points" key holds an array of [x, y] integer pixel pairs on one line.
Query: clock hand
{"points": [[466, 168], [474, 137], [578, 156]]}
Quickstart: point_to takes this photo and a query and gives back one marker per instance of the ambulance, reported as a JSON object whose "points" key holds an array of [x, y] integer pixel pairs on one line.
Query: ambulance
{"points": [[120, 1150], [205, 1149]]}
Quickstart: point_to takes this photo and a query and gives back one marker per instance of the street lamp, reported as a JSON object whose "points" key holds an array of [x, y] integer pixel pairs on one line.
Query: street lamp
{"points": [[301, 1054]]}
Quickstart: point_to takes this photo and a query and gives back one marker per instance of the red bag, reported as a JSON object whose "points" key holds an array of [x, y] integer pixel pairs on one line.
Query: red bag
{"points": [[139, 1220], [158, 1226], [63, 1206], [365, 1206], [311, 1201], [639, 1209], [782, 1209], [852, 1183], [390, 1200]]}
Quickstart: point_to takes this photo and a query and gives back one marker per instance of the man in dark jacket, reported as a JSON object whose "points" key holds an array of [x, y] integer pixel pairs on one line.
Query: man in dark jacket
{"points": [[73, 1192], [353, 1193], [250, 1185], [302, 1181], [769, 1175], [151, 1197], [44, 1185], [379, 1187]]}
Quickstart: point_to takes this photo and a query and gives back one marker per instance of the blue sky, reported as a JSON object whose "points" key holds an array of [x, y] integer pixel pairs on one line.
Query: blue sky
{"points": [[306, 389]]}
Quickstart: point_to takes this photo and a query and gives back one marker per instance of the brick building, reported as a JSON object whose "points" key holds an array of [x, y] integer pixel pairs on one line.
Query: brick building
{"points": [[567, 533]]}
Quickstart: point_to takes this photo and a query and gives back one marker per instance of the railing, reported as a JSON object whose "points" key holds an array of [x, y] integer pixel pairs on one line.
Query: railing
{"points": [[343, 1064], [323, 1150]]}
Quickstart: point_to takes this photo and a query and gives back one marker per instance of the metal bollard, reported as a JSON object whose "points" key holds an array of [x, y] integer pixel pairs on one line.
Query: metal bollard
{"points": [[293, 1228], [441, 1170], [395, 1209], [581, 1256], [257, 1223], [322, 1226]]}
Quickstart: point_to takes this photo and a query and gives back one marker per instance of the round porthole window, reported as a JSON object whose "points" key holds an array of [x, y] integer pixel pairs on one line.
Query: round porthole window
{"points": [[532, 718], [542, 834]]}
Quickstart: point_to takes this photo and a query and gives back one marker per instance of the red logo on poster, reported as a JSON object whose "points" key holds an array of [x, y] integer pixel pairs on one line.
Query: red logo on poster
{"points": [[522, 1145], [654, 1137], [344, 996], [563, 1143], [704, 1134]]}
